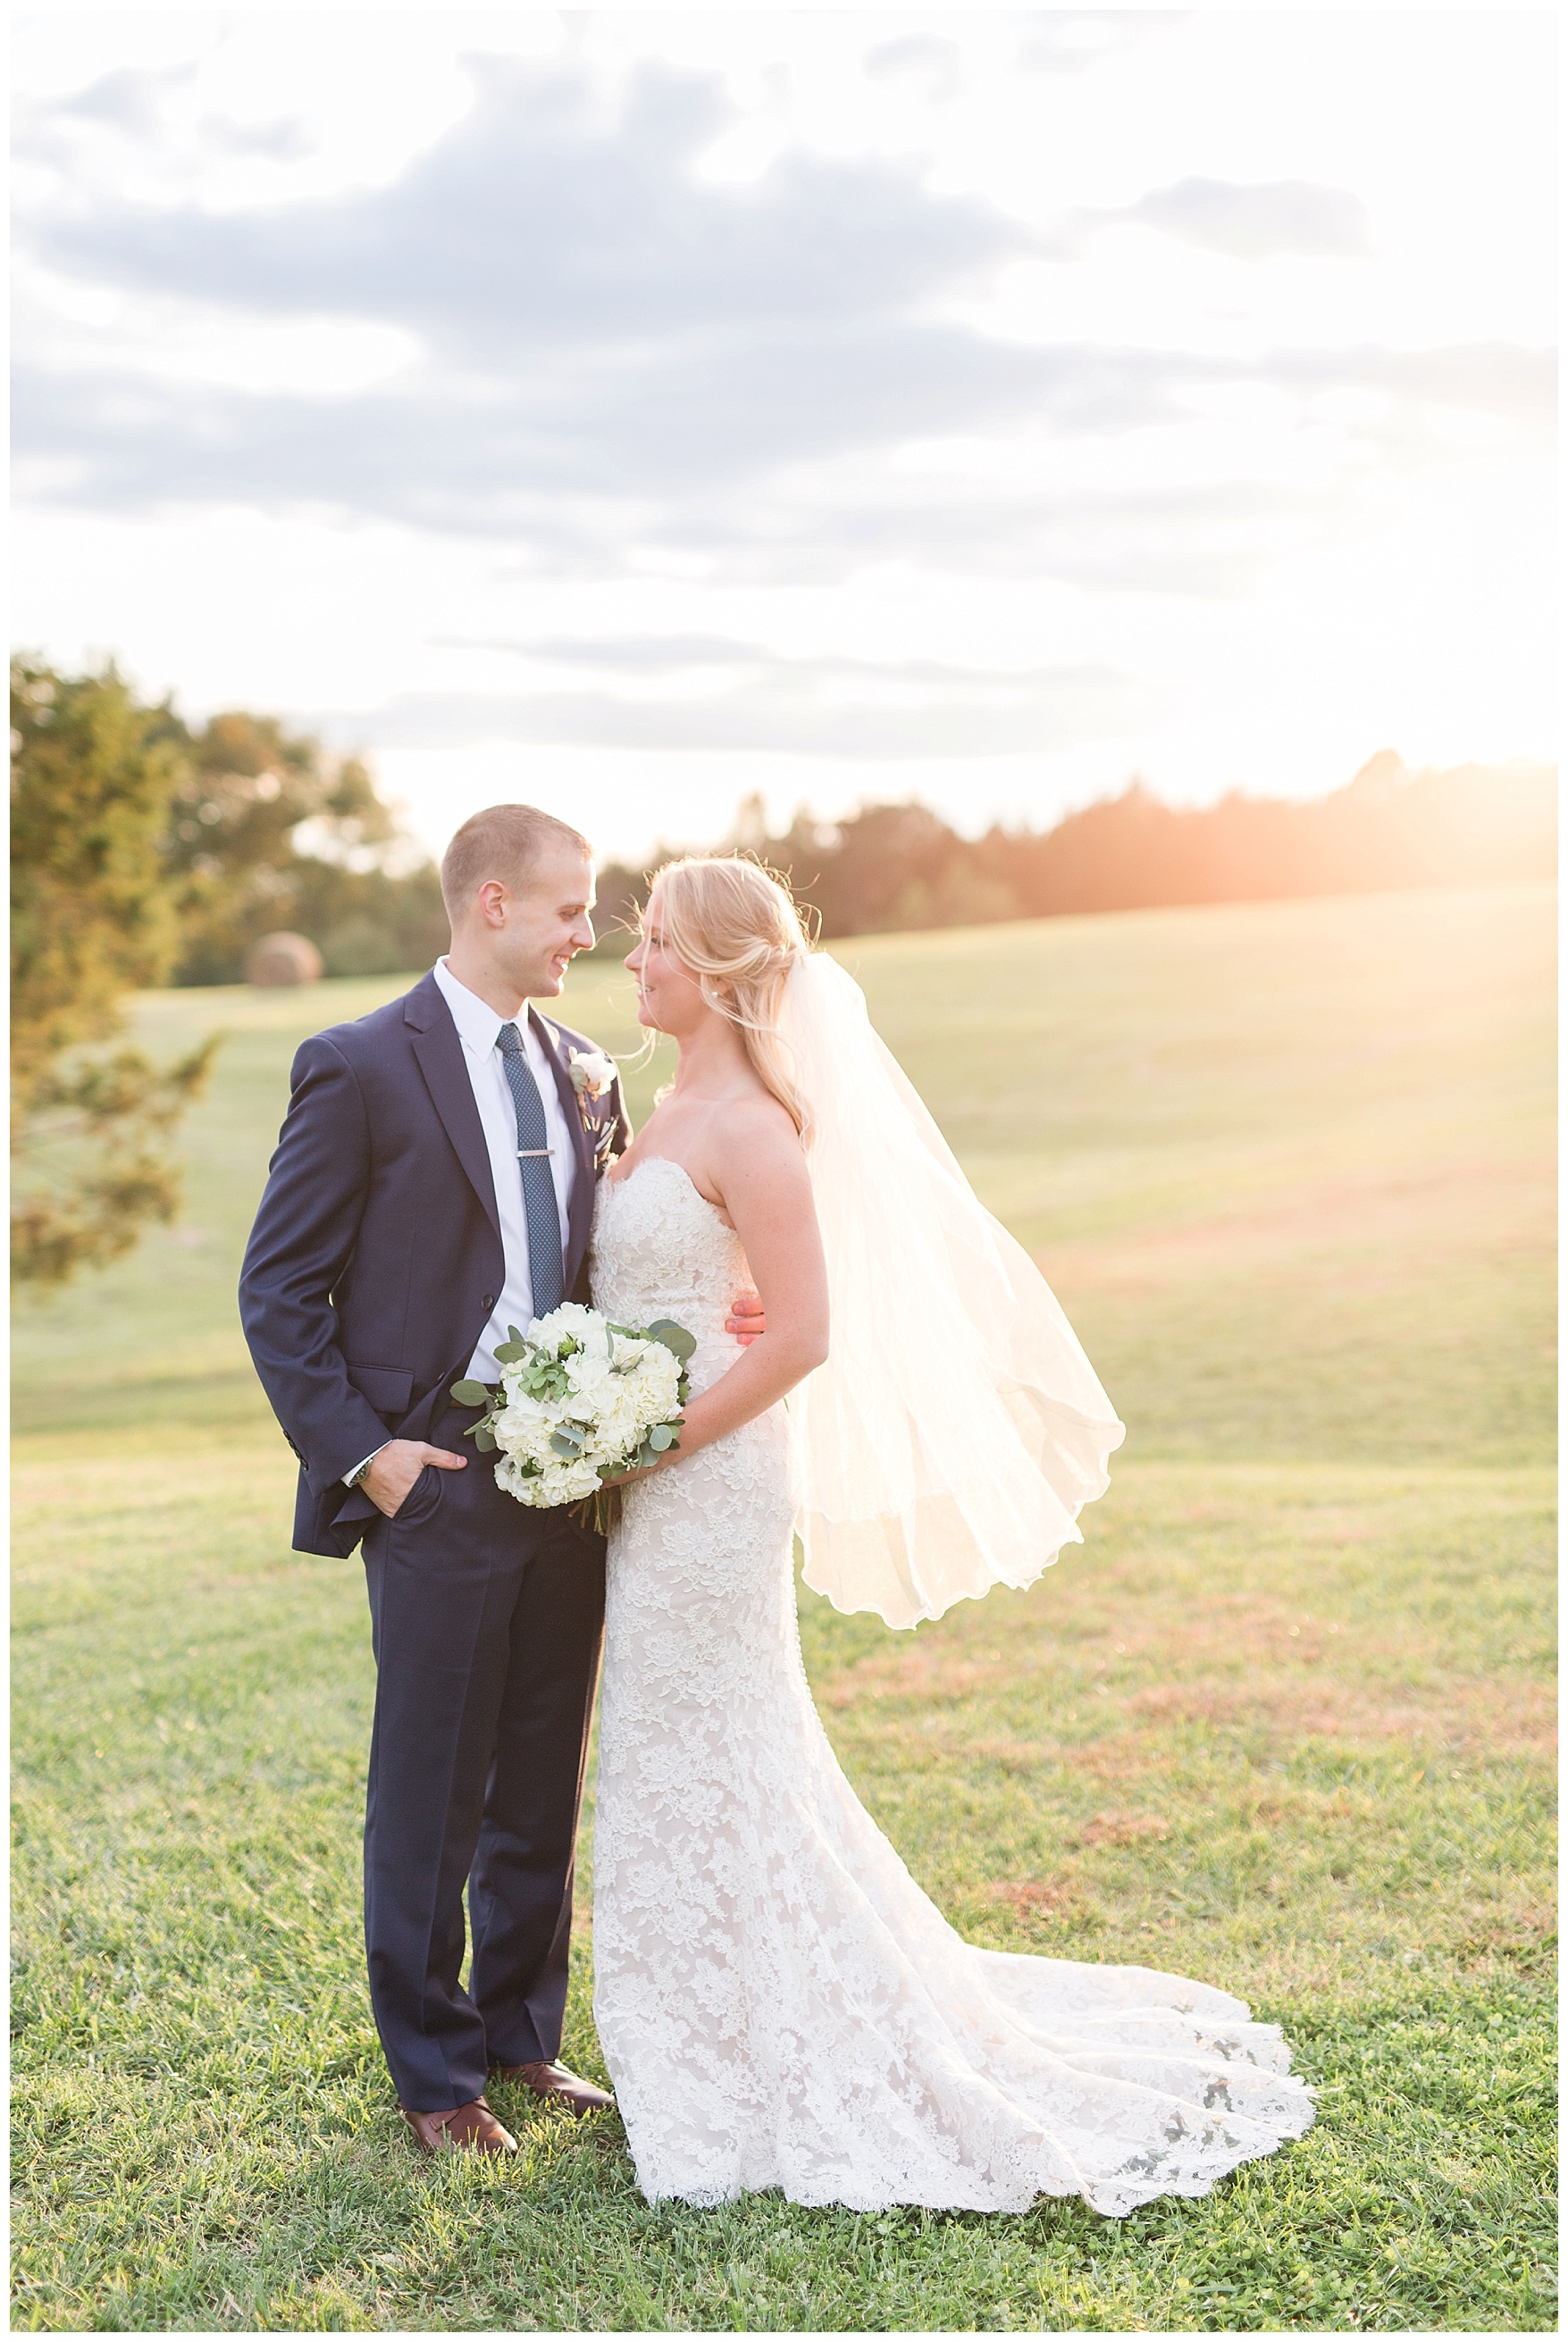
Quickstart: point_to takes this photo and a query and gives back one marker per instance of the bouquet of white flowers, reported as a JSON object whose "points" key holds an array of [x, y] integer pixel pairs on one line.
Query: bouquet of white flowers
{"points": [[579, 1398]]}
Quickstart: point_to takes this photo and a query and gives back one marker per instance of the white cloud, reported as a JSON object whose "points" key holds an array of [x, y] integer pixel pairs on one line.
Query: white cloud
{"points": [[696, 694], [605, 330], [1262, 222]]}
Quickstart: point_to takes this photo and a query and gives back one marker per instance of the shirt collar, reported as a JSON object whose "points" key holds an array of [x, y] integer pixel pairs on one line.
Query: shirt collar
{"points": [[478, 1025]]}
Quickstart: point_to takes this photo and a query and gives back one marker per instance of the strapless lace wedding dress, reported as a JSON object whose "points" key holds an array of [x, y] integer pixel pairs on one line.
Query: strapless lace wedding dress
{"points": [[779, 2004]]}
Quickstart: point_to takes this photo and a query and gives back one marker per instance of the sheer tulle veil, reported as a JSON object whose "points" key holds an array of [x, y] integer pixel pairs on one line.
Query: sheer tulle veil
{"points": [[958, 1429]]}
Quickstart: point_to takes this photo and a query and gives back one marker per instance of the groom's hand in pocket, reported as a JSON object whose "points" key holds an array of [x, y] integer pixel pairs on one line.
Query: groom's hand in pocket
{"points": [[745, 1320], [395, 1467]]}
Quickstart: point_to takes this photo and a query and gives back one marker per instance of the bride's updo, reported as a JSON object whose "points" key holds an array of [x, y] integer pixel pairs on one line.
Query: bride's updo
{"points": [[737, 929]]}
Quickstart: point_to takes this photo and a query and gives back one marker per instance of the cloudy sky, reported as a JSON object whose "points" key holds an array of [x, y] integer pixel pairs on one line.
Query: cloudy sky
{"points": [[630, 411]]}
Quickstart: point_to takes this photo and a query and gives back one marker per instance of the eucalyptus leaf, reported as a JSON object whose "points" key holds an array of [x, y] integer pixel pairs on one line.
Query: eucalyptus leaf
{"points": [[508, 1353], [469, 1393], [661, 1437], [675, 1338], [566, 1443], [484, 1439]]}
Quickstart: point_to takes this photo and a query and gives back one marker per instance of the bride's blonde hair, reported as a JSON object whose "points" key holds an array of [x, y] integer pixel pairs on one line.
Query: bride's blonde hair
{"points": [[736, 927]]}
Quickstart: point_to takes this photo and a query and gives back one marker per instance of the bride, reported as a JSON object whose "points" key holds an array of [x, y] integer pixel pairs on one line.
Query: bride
{"points": [[778, 2003]]}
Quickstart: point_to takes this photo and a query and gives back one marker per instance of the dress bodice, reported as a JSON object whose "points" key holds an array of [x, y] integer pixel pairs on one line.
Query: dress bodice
{"points": [[662, 1250]]}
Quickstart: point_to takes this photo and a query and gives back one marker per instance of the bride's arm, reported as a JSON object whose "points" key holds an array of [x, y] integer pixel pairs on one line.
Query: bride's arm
{"points": [[758, 1169]]}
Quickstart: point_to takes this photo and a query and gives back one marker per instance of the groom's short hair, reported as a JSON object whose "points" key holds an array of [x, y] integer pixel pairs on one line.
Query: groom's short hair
{"points": [[503, 842]]}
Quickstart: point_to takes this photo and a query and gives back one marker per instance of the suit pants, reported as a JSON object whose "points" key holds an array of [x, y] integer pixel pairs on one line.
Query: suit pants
{"points": [[487, 1620]]}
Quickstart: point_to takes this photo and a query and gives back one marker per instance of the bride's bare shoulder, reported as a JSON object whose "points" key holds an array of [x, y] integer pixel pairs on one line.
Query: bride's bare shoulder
{"points": [[754, 1131], [758, 1112]]}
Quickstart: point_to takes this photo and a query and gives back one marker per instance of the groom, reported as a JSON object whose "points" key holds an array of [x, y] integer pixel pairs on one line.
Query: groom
{"points": [[433, 1184]]}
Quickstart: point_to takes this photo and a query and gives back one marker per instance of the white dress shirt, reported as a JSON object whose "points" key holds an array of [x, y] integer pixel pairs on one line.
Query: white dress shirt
{"points": [[478, 1029]]}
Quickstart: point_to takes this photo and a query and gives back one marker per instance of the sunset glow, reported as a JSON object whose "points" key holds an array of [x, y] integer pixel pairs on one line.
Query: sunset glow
{"points": [[631, 411]]}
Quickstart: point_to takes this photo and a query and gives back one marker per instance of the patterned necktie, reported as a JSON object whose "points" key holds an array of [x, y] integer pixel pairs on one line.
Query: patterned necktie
{"points": [[539, 1206]]}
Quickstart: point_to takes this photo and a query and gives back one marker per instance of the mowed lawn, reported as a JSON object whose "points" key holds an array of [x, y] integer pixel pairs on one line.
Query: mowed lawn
{"points": [[1282, 1722]]}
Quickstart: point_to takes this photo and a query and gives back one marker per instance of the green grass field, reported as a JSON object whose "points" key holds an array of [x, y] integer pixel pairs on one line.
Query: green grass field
{"points": [[1284, 1722]]}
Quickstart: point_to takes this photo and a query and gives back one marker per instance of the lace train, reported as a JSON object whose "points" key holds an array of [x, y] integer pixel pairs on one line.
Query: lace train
{"points": [[779, 2004]]}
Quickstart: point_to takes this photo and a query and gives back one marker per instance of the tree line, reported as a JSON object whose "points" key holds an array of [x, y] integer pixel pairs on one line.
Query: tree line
{"points": [[901, 867], [145, 852]]}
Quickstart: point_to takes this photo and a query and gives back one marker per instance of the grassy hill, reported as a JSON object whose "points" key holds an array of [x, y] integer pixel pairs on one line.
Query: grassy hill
{"points": [[1282, 1722]]}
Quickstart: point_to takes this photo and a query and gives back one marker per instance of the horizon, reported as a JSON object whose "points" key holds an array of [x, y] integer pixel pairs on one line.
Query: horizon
{"points": [[737, 831]]}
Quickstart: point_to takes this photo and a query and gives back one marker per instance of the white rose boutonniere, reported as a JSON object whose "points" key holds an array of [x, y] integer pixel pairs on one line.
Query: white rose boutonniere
{"points": [[593, 1077], [591, 1074]]}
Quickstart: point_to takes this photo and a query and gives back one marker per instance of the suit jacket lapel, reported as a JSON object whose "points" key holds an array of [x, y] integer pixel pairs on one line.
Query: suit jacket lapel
{"points": [[580, 1211], [445, 1070]]}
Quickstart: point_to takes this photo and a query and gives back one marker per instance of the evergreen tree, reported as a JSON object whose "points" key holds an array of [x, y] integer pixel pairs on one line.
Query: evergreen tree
{"points": [[93, 916]]}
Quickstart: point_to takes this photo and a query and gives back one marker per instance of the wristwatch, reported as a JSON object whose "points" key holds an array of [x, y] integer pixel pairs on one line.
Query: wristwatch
{"points": [[355, 1476]]}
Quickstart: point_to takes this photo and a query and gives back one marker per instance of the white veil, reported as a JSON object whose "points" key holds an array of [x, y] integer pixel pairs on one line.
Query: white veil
{"points": [[957, 1428]]}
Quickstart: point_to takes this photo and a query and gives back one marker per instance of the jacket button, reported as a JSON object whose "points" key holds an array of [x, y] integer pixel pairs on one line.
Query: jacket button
{"points": [[488, 1302]]}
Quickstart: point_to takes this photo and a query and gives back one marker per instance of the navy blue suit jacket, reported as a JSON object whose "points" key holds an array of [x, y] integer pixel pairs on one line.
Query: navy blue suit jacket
{"points": [[375, 1259]]}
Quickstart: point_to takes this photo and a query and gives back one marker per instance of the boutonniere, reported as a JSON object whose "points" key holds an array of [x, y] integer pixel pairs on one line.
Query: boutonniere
{"points": [[591, 1076]]}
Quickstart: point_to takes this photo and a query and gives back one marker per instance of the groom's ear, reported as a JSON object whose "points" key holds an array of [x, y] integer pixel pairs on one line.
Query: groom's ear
{"points": [[492, 902]]}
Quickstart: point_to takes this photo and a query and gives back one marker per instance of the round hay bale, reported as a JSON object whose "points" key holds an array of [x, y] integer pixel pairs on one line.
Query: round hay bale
{"points": [[281, 959]]}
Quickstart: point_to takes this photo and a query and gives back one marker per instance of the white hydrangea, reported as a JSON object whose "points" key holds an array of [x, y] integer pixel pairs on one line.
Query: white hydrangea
{"points": [[567, 1483]]}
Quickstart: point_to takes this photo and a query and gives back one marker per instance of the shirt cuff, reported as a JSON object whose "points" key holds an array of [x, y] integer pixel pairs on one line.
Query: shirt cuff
{"points": [[349, 1477]]}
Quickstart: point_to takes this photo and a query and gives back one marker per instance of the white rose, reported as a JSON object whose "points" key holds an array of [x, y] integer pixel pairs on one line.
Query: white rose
{"points": [[591, 1378], [563, 1482], [520, 1403], [586, 1327], [592, 1073], [511, 1480]]}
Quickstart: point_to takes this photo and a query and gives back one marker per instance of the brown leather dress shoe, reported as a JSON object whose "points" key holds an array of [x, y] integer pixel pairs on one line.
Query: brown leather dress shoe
{"points": [[559, 2086], [471, 2126]]}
